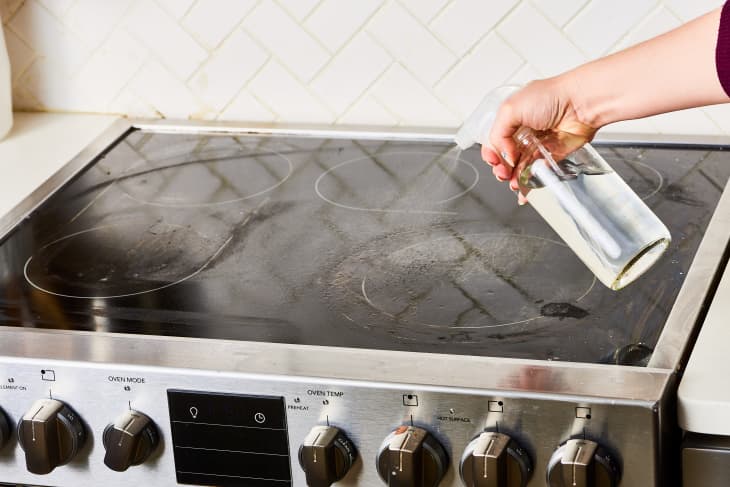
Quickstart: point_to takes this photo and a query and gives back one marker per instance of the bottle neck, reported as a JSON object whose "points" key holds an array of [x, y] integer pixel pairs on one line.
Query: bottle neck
{"points": [[528, 143], [526, 138]]}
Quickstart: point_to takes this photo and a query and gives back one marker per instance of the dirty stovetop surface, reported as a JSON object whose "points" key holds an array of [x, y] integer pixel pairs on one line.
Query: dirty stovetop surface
{"points": [[370, 244]]}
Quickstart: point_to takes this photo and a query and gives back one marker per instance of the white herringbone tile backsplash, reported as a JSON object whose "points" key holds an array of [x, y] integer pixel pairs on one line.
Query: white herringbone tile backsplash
{"points": [[383, 62]]}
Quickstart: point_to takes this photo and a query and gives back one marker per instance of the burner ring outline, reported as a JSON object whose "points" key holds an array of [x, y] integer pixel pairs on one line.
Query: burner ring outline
{"points": [[123, 295], [318, 182], [372, 304]]}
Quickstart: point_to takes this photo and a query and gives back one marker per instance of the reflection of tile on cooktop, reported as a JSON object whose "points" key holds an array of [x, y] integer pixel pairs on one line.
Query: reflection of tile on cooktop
{"points": [[712, 168], [398, 182], [642, 177]]}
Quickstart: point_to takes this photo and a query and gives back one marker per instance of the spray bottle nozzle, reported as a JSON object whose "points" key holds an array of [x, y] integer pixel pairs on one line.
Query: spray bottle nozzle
{"points": [[477, 126]]}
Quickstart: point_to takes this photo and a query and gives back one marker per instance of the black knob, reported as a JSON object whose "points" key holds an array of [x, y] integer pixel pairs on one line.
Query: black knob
{"points": [[582, 463], [129, 441], [51, 434], [495, 460], [412, 457], [4, 429], [326, 455]]}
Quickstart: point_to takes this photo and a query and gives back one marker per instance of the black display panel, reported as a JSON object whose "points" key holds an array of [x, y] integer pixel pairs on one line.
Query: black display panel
{"points": [[229, 439]]}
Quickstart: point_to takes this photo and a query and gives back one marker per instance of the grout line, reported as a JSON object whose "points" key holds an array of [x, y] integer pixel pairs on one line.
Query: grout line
{"points": [[115, 26], [301, 81], [301, 25], [277, 115], [244, 87], [631, 30], [53, 14], [291, 14], [11, 14], [712, 119], [478, 41], [132, 77], [312, 35], [427, 29], [440, 11], [309, 14], [37, 105], [214, 50], [433, 95], [396, 60], [561, 29], [571, 18], [399, 120], [33, 57], [187, 11], [365, 92], [418, 80], [14, 13], [360, 30]]}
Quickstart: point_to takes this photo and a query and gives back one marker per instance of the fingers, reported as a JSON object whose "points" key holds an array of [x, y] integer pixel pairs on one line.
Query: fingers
{"points": [[502, 172], [505, 125], [514, 185], [489, 156]]}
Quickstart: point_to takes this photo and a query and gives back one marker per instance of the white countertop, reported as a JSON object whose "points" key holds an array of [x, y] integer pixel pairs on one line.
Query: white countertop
{"points": [[40, 144], [704, 392]]}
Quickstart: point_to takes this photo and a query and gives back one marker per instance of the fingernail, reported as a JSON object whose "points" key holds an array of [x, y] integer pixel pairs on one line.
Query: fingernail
{"points": [[506, 158], [500, 179]]}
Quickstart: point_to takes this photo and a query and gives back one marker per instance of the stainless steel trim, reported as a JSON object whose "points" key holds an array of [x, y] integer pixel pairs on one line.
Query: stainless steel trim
{"points": [[664, 139], [63, 175], [682, 319], [424, 134], [552, 379], [432, 134]]}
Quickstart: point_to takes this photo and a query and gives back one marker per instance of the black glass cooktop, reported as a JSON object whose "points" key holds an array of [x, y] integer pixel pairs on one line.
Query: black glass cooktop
{"points": [[371, 244]]}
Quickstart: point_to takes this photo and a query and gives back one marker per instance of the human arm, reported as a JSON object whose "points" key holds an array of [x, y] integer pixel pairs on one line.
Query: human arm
{"points": [[673, 71]]}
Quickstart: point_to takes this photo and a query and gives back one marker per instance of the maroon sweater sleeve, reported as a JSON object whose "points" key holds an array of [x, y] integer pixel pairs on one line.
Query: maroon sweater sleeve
{"points": [[722, 52]]}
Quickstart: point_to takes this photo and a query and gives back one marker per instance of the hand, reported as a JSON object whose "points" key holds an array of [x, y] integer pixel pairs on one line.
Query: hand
{"points": [[542, 105]]}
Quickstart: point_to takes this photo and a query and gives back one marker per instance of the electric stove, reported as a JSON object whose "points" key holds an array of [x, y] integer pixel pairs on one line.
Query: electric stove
{"points": [[222, 305]]}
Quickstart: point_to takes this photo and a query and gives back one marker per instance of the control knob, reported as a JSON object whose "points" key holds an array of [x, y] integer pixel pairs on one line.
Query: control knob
{"points": [[411, 457], [4, 429], [326, 456], [495, 460], [51, 434], [129, 441], [582, 463]]}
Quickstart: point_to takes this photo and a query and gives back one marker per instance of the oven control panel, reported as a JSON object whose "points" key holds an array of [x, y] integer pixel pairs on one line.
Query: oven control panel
{"points": [[66, 424]]}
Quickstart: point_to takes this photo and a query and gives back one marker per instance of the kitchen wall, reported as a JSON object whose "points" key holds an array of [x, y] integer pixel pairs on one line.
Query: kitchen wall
{"points": [[386, 62]]}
